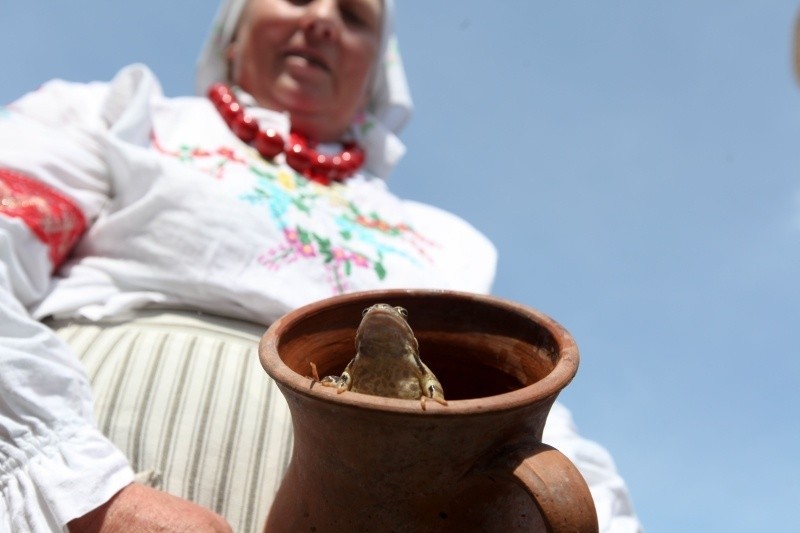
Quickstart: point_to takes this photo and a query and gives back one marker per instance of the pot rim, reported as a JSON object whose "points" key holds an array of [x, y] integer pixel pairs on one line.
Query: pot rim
{"points": [[546, 388]]}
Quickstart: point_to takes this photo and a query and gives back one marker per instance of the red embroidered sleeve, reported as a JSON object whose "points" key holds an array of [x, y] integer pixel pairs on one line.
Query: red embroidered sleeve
{"points": [[51, 216]]}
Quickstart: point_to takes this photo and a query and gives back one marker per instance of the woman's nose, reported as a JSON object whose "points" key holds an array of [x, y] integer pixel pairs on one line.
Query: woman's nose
{"points": [[321, 19]]}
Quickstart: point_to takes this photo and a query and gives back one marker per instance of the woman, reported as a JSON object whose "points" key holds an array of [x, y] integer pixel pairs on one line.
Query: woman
{"points": [[261, 197]]}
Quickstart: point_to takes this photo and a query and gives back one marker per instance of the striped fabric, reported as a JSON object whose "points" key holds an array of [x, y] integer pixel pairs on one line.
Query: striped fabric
{"points": [[184, 396]]}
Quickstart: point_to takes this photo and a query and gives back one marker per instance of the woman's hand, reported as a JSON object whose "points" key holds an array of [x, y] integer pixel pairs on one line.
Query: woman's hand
{"points": [[142, 509]]}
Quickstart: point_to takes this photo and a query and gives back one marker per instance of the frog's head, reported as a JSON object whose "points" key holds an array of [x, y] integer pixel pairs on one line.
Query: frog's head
{"points": [[384, 332]]}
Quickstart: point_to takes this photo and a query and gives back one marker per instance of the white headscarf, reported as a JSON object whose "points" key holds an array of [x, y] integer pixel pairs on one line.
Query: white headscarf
{"points": [[389, 106]]}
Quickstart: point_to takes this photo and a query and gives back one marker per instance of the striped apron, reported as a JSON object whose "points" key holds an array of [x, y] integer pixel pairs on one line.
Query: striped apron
{"points": [[184, 396]]}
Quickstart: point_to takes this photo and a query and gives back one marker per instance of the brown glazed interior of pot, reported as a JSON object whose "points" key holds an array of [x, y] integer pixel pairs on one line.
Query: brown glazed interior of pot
{"points": [[475, 347]]}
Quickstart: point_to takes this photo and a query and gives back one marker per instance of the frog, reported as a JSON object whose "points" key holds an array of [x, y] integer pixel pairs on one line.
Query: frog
{"points": [[387, 361]]}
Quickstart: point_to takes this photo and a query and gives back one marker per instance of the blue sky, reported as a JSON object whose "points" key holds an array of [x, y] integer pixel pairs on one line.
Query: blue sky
{"points": [[635, 163]]}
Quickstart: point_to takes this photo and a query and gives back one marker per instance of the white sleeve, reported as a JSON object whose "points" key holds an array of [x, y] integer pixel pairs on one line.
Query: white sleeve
{"points": [[55, 465], [615, 511]]}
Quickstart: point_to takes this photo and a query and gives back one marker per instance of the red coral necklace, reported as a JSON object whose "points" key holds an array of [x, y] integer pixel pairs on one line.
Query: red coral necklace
{"points": [[300, 152]]}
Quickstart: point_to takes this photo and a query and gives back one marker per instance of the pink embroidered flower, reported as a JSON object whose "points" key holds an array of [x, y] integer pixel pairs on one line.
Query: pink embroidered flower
{"points": [[306, 250], [291, 235]]}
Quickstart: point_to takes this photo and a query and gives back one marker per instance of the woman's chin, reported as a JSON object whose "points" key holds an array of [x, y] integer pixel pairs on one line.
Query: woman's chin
{"points": [[308, 106]]}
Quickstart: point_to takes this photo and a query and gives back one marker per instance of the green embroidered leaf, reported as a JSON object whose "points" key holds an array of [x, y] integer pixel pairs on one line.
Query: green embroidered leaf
{"points": [[303, 236], [379, 270], [323, 243], [261, 192], [346, 235], [366, 126], [324, 246], [265, 174], [298, 202], [348, 267]]}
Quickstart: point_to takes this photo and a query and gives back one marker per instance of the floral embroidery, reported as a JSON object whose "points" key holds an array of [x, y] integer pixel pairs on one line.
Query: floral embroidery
{"points": [[355, 241], [360, 241], [51, 216], [363, 123], [339, 260], [215, 159]]}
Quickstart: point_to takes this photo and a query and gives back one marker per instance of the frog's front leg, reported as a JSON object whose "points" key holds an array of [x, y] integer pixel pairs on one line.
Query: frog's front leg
{"points": [[342, 383], [431, 388]]}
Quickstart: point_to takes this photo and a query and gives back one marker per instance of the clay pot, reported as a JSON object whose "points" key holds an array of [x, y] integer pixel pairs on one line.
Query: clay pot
{"points": [[367, 463]]}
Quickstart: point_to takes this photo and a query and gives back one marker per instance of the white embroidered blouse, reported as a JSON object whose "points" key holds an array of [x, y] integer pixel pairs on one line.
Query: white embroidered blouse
{"points": [[115, 198]]}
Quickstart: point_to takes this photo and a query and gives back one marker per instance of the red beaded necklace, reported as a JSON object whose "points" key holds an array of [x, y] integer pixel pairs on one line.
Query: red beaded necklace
{"points": [[300, 155]]}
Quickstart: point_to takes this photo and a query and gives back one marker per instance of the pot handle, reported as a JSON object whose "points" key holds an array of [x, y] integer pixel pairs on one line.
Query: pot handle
{"points": [[558, 488]]}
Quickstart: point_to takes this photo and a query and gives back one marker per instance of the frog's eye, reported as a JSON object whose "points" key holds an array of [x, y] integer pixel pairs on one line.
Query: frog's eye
{"points": [[402, 311]]}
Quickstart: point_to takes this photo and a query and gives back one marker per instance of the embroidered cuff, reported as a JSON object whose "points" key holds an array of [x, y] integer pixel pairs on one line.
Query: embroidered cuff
{"points": [[52, 217]]}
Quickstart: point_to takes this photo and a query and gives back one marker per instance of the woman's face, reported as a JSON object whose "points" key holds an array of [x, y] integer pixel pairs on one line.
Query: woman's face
{"points": [[312, 58]]}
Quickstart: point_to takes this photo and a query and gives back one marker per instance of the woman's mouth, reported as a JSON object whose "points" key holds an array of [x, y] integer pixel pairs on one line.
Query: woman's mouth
{"points": [[306, 58]]}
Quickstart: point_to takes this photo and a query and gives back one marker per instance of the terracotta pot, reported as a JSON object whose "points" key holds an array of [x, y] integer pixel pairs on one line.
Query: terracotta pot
{"points": [[367, 463]]}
